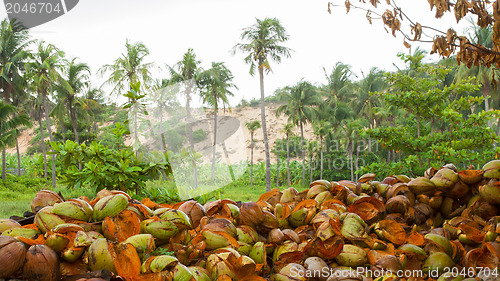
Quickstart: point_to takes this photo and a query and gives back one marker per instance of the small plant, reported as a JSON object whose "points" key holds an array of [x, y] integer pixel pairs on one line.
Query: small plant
{"points": [[162, 252], [199, 135]]}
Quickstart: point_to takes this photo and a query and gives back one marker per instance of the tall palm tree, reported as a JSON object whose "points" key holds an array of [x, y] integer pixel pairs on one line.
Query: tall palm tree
{"points": [[484, 75], [130, 67], [187, 72], [93, 105], [300, 105], [287, 130], [252, 127], [43, 70], [321, 129], [350, 131], [75, 80], [339, 84], [312, 149], [216, 85], [365, 102], [164, 97], [263, 43], [14, 41], [9, 129]]}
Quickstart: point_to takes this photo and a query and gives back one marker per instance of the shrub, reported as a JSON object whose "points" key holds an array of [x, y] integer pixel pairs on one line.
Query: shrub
{"points": [[199, 135]]}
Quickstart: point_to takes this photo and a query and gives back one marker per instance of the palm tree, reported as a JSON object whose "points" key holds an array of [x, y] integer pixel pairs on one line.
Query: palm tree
{"points": [[338, 86], [10, 122], [14, 40], [287, 130], [321, 129], [263, 43], [43, 71], [164, 96], [128, 68], [216, 83], [300, 105], [365, 102], [76, 79], [252, 127], [312, 149], [93, 105], [351, 128], [484, 75], [187, 72]]}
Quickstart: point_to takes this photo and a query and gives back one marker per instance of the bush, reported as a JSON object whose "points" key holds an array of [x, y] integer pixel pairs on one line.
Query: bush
{"points": [[97, 167], [174, 140], [199, 135], [294, 145]]}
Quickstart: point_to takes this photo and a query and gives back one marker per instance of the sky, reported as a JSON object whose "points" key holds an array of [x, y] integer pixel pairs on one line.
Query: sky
{"points": [[95, 31]]}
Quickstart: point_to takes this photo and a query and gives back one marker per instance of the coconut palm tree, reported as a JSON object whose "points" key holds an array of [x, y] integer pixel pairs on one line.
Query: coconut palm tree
{"points": [[94, 100], [312, 149], [164, 97], [187, 72], [485, 76], [300, 106], [252, 127], [263, 43], [129, 68], [14, 42], [321, 129], [339, 85], [10, 122], [287, 130], [75, 79], [365, 102], [350, 131], [43, 70], [216, 85]]}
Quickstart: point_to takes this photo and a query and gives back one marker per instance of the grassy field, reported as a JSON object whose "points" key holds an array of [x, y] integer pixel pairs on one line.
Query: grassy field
{"points": [[15, 197]]}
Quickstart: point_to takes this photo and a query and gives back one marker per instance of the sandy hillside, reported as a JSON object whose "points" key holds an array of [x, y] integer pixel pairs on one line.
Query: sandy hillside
{"points": [[232, 134]]}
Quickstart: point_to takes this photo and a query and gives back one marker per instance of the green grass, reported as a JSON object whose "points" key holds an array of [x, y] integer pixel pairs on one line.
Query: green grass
{"points": [[244, 193], [16, 194]]}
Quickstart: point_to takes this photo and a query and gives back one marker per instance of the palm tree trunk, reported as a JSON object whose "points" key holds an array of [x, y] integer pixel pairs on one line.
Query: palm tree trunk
{"points": [[264, 127], [418, 136], [72, 114], [310, 169], [251, 163], [288, 160], [497, 131], [486, 91], [303, 154], [352, 167], [357, 157], [190, 134], [4, 165], [18, 159], [18, 156], [321, 170], [44, 151], [47, 119], [215, 142], [278, 169], [162, 133]]}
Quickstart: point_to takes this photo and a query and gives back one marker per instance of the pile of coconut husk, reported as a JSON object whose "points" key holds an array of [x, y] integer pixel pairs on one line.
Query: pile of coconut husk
{"points": [[441, 226]]}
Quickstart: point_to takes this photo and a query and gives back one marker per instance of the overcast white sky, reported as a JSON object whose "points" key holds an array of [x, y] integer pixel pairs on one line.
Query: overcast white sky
{"points": [[96, 30]]}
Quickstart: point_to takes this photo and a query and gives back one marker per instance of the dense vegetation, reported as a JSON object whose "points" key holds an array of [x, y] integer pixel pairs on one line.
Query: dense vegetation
{"points": [[399, 122]]}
